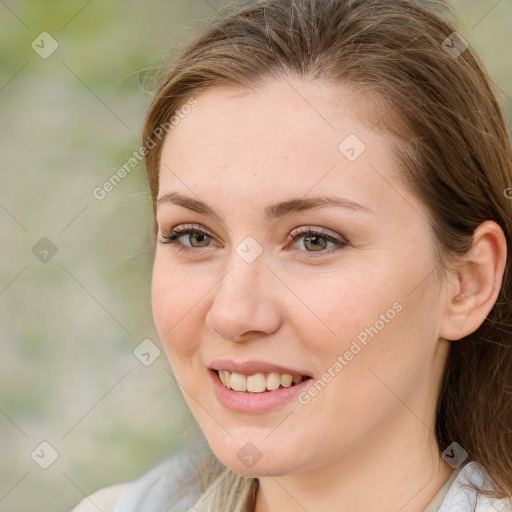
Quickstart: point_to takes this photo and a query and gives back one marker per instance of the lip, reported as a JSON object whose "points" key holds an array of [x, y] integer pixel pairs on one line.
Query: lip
{"points": [[252, 367], [246, 402]]}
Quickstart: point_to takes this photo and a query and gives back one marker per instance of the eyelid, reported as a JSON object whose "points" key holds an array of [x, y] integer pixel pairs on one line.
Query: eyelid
{"points": [[339, 241], [318, 230], [180, 230]]}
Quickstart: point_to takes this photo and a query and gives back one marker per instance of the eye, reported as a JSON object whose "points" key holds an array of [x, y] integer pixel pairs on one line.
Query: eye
{"points": [[316, 240], [196, 237]]}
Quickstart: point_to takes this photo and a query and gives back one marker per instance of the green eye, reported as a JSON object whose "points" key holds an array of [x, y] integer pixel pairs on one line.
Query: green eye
{"points": [[315, 240], [202, 238]]}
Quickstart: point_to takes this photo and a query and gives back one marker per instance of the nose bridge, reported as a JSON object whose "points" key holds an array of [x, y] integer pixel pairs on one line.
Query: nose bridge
{"points": [[240, 287], [246, 268], [242, 302]]}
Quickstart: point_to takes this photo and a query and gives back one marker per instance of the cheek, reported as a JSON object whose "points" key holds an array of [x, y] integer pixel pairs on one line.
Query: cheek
{"points": [[372, 320], [333, 310], [176, 300], [386, 342]]}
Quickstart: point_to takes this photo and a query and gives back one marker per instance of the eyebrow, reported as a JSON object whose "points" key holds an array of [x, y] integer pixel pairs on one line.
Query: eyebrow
{"points": [[271, 212]]}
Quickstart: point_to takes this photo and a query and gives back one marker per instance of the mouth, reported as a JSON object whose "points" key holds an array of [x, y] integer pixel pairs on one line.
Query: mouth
{"points": [[258, 382]]}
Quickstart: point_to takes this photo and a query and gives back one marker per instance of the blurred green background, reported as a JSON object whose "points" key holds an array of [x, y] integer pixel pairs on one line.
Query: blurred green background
{"points": [[69, 325]]}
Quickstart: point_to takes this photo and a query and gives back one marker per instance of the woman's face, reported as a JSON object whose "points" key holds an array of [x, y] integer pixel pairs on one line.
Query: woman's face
{"points": [[344, 294]]}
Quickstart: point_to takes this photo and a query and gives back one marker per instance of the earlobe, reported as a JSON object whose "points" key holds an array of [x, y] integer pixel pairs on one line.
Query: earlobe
{"points": [[473, 293]]}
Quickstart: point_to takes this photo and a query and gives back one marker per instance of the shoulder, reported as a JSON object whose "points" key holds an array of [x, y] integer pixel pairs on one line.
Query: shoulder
{"points": [[171, 485], [462, 498], [106, 499]]}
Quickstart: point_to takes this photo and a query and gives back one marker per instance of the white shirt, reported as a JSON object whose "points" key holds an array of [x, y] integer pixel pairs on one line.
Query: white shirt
{"points": [[171, 487]]}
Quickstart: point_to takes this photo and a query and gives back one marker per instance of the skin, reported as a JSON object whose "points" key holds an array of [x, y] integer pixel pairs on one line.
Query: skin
{"points": [[372, 425]]}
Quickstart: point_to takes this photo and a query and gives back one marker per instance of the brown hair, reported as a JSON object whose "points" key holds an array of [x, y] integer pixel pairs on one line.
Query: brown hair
{"points": [[452, 145]]}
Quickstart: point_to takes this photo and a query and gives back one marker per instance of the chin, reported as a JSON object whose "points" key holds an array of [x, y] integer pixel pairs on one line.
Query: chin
{"points": [[260, 469], [246, 459]]}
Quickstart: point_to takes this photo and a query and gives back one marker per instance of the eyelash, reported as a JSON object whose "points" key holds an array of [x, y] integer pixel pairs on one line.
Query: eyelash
{"points": [[172, 237]]}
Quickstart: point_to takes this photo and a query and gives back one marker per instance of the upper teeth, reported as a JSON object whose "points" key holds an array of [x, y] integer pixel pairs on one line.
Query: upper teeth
{"points": [[258, 382]]}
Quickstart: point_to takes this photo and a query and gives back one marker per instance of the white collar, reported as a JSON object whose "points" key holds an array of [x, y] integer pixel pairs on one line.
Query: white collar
{"points": [[463, 499]]}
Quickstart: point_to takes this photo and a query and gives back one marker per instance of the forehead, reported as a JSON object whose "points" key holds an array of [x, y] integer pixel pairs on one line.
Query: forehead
{"points": [[286, 134], [279, 111]]}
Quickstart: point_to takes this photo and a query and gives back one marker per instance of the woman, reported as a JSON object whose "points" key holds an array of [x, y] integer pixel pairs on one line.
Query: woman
{"points": [[331, 284]]}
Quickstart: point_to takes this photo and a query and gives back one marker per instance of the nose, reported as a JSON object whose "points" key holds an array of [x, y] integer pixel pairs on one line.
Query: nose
{"points": [[244, 306]]}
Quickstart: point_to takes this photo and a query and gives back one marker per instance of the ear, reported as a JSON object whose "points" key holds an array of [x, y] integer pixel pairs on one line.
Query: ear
{"points": [[475, 287]]}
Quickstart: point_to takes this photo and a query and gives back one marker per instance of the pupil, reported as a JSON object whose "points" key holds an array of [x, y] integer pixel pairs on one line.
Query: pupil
{"points": [[200, 237], [308, 239]]}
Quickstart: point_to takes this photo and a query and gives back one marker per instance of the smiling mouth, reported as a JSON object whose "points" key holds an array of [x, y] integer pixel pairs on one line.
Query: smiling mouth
{"points": [[258, 382]]}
